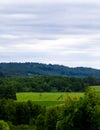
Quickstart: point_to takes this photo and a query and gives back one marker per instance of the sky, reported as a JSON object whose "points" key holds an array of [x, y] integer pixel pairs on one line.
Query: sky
{"points": [[65, 32]]}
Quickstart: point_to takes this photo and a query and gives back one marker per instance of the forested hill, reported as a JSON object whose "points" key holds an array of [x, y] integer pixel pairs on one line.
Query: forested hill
{"points": [[30, 69]]}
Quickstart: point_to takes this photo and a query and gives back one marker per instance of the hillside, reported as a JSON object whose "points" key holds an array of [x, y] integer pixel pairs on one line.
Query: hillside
{"points": [[30, 69]]}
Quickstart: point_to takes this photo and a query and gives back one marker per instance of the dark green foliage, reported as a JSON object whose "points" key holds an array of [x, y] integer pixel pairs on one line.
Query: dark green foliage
{"points": [[23, 127], [22, 113], [65, 121], [40, 122], [19, 112], [81, 115], [30, 69], [1, 75], [90, 81], [7, 110], [27, 111], [7, 92], [50, 119], [10, 93], [88, 112], [9, 86]]}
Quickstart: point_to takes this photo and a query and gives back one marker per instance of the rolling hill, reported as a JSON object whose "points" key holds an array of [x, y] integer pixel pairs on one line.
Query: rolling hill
{"points": [[35, 69]]}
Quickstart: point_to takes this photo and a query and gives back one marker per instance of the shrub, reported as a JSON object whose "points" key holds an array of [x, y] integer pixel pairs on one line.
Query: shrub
{"points": [[4, 125]]}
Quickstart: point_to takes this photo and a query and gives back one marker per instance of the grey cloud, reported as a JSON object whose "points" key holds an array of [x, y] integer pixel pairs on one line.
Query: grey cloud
{"points": [[64, 16], [30, 23]]}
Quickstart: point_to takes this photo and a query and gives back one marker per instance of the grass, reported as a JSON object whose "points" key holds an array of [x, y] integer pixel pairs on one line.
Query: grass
{"points": [[59, 96], [48, 103], [96, 89], [47, 99], [51, 98]]}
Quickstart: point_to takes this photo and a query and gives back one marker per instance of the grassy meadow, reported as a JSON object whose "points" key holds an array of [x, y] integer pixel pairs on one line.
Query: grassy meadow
{"points": [[48, 99], [52, 98], [96, 89]]}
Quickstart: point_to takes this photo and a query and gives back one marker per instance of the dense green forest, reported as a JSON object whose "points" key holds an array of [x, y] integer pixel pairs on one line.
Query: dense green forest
{"points": [[9, 86], [30, 69]]}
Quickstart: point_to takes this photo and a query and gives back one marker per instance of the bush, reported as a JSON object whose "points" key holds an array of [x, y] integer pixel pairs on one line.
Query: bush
{"points": [[4, 125], [81, 115], [87, 116]]}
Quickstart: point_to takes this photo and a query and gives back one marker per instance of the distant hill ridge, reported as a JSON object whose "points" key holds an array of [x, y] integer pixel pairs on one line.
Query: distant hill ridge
{"points": [[31, 69]]}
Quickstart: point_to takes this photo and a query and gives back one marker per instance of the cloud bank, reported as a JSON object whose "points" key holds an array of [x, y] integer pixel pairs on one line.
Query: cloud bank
{"points": [[57, 32]]}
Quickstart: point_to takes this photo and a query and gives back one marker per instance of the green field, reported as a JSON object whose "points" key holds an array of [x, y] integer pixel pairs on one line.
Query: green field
{"points": [[48, 99], [59, 96], [51, 98], [96, 89]]}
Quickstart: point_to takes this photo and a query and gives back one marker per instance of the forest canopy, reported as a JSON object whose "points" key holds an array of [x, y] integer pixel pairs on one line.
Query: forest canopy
{"points": [[45, 84], [37, 69]]}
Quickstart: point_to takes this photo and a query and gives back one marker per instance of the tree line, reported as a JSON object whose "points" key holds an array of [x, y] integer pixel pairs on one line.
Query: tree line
{"points": [[9, 86], [38, 69]]}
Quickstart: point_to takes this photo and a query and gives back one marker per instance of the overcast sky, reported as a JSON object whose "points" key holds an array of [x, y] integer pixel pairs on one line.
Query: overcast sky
{"points": [[65, 32]]}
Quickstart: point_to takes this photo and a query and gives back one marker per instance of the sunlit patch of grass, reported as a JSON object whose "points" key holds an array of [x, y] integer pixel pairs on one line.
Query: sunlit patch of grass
{"points": [[47, 99]]}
